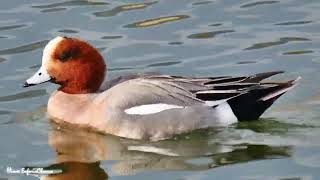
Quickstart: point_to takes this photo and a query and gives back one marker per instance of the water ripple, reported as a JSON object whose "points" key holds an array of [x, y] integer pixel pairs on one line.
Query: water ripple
{"points": [[207, 35], [258, 4], [69, 3], [289, 23], [157, 21], [246, 62], [10, 27], [35, 66], [23, 95], [101, 48], [298, 52], [68, 31], [201, 3], [120, 69], [2, 59], [52, 10], [123, 8], [3, 112], [175, 43], [281, 41], [216, 24], [24, 48], [169, 63], [111, 37]]}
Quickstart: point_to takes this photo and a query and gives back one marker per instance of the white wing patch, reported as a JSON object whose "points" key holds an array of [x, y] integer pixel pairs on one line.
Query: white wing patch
{"points": [[150, 108]]}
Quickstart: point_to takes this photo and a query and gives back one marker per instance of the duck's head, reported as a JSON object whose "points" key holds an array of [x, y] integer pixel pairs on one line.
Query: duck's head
{"points": [[72, 63]]}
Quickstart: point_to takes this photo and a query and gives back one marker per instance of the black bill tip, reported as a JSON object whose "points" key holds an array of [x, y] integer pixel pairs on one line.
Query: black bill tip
{"points": [[27, 84]]}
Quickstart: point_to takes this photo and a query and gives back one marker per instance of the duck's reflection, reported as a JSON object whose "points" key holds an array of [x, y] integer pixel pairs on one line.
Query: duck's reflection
{"points": [[80, 150], [78, 171]]}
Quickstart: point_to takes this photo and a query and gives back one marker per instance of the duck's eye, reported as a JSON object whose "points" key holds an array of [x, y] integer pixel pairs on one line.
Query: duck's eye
{"points": [[64, 56]]}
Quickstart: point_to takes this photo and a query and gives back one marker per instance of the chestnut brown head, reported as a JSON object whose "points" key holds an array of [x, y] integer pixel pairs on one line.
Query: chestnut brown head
{"points": [[72, 63]]}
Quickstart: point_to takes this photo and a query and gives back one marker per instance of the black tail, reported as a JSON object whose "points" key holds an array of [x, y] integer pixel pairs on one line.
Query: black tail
{"points": [[261, 76], [251, 105]]}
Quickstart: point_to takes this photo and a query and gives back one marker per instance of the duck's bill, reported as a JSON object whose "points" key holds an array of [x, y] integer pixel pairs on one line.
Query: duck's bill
{"points": [[41, 76]]}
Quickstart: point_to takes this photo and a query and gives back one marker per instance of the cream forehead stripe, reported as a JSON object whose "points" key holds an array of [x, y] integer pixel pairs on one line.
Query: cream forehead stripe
{"points": [[50, 48], [42, 74]]}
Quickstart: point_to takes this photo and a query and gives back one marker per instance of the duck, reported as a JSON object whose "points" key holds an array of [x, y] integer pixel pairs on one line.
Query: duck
{"points": [[149, 106]]}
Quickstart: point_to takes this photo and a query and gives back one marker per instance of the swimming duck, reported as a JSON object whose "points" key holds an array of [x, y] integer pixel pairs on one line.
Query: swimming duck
{"points": [[146, 106]]}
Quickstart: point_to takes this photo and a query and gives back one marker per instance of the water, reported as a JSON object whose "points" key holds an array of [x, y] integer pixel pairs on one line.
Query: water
{"points": [[193, 38]]}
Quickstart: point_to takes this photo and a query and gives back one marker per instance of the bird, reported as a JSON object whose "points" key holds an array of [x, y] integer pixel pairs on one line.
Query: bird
{"points": [[148, 106]]}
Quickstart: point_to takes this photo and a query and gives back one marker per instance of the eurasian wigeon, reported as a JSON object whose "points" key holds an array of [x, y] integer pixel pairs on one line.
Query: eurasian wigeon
{"points": [[150, 106]]}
